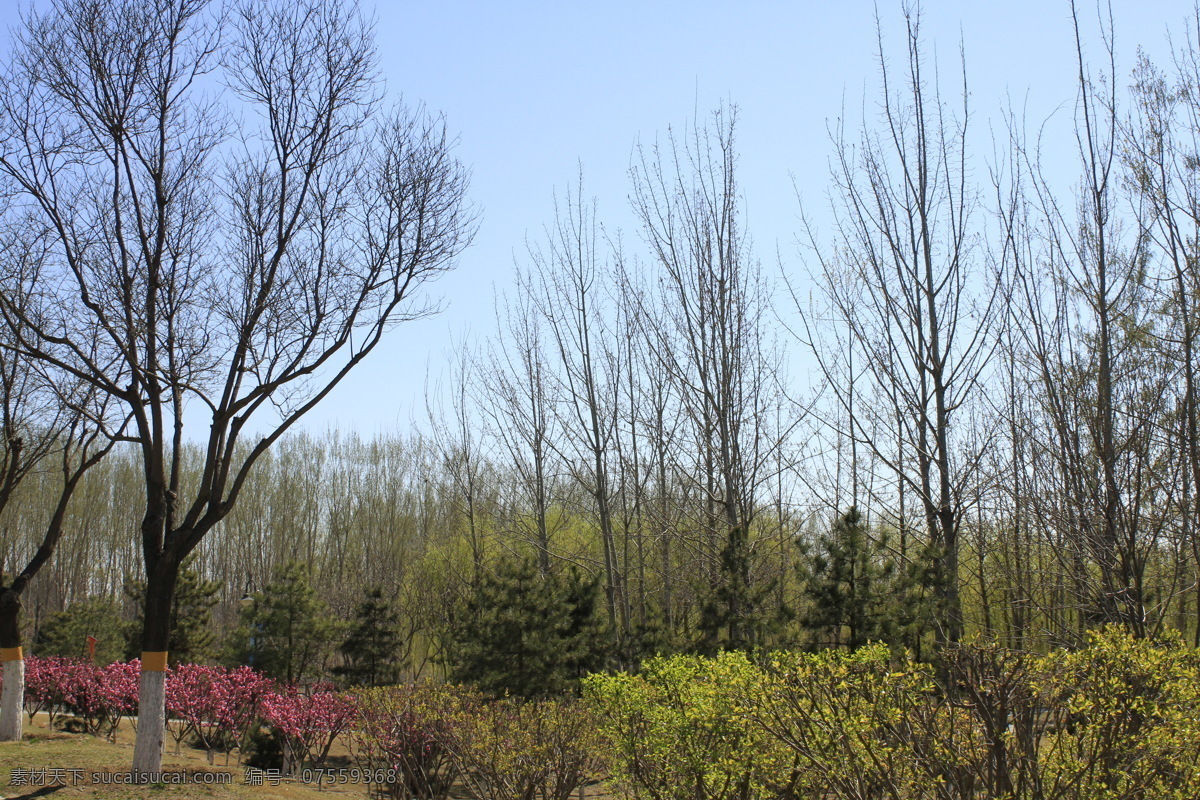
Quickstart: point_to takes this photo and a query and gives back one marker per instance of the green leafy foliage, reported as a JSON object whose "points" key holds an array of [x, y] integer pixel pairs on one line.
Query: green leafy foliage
{"points": [[1123, 719], [1119, 719], [860, 724], [527, 634], [680, 730]]}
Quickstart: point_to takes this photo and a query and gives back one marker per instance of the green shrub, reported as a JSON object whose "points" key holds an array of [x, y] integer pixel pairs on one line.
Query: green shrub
{"points": [[1118, 720], [860, 724], [1123, 719], [682, 729]]}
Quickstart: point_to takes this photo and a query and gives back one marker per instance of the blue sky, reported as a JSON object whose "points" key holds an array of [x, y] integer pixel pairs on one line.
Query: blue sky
{"points": [[537, 89]]}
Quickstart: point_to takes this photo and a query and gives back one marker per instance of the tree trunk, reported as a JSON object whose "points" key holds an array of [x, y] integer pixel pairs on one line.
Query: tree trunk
{"points": [[14, 666], [152, 717], [152, 695], [10, 698]]}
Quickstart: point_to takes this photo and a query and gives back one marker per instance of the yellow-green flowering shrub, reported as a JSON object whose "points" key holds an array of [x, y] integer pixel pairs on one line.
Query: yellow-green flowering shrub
{"points": [[1117, 720], [1121, 719], [684, 729], [860, 725]]}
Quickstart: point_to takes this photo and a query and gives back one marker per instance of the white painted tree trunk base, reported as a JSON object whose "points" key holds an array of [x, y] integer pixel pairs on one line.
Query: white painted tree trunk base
{"points": [[10, 701], [151, 729]]}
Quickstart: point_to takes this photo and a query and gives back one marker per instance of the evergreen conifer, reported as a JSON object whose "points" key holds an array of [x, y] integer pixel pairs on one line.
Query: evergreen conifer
{"points": [[286, 630], [527, 634], [373, 645], [854, 592]]}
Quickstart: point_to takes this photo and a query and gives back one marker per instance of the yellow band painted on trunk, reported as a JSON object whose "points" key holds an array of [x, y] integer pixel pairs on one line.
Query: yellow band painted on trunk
{"points": [[11, 654], [155, 661]]}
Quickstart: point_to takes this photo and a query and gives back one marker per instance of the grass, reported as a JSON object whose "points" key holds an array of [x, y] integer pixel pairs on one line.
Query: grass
{"points": [[90, 756]]}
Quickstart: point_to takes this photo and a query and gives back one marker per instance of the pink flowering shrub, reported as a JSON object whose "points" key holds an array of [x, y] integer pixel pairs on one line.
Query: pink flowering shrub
{"points": [[98, 696], [242, 695], [43, 686], [116, 691], [414, 741], [191, 704], [218, 705], [308, 722]]}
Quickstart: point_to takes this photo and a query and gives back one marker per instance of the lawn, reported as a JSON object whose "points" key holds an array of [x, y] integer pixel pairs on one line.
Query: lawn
{"points": [[64, 765]]}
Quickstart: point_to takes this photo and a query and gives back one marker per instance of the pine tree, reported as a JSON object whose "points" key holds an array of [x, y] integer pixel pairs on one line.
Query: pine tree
{"points": [[740, 613], [192, 638], [66, 633], [373, 646], [527, 634], [286, 631], [854, 593]]}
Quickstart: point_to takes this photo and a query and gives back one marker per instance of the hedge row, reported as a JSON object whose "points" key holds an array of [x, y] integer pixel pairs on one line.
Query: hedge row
{"points": [[1118, 719]]}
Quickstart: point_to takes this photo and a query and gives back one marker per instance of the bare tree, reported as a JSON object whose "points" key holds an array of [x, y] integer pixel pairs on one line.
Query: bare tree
{"points": [[454, 424], [1088, 318], [1160, 145], [652, 410], [518, 406], [903, 276], [45, 421], [636, 442], [708, 329], [238, 278], [569, 283]]}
